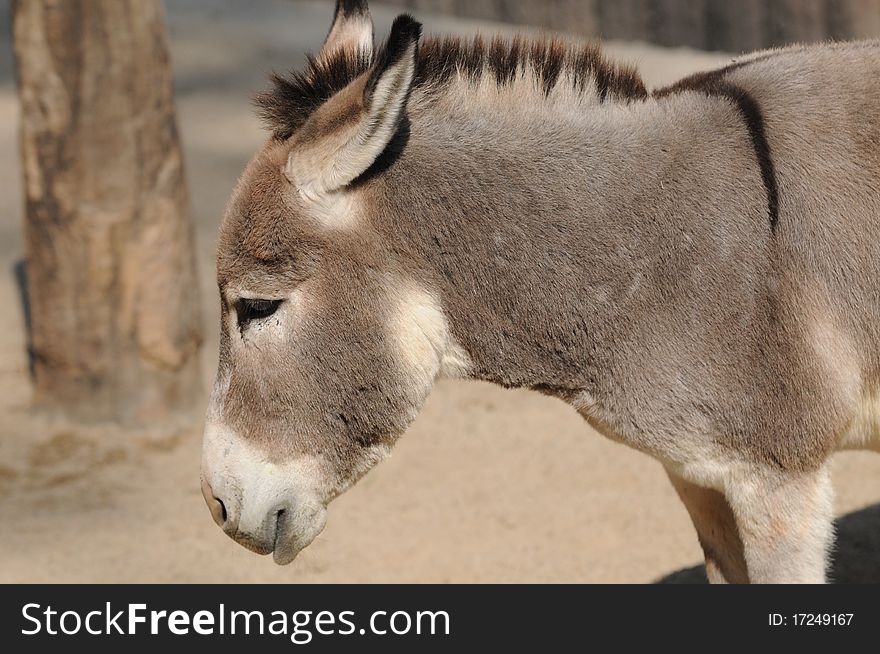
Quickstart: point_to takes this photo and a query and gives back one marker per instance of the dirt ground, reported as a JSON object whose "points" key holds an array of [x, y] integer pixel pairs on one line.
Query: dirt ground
{"points": [[487, 486]]}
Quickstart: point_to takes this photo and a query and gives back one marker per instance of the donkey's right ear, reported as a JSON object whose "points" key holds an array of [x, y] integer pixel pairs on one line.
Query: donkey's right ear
{"points": [[352, 30], [345, 135]]}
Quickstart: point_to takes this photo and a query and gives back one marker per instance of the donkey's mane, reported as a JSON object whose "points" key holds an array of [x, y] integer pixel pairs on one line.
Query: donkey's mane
{"points": [[292, 98]]}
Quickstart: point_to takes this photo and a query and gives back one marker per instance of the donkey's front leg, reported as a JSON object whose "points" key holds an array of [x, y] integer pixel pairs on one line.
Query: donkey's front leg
{"points": [[784, 520], [768, 527], [716, 529]]}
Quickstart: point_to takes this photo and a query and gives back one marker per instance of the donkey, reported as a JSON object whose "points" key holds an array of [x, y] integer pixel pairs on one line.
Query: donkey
{"points": [[696, 270]]}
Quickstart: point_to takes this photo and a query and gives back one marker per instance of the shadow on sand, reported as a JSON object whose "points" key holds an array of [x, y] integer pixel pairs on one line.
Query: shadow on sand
{"points": [[856, 557]]}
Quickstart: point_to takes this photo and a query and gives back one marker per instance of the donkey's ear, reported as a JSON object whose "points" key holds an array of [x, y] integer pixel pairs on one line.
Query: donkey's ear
{"points": [[352, 30], [346, 134]]}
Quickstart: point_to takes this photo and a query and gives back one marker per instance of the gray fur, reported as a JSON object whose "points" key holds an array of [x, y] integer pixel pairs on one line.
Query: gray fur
{"points": [[615, 253]]}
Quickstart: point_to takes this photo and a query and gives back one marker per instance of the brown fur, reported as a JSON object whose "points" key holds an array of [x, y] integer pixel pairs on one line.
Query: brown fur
{"points": [[715, 83], [590, 241]]}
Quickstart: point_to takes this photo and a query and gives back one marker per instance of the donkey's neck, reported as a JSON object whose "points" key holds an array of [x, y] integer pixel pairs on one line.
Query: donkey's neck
{"points": [[553, 237]]}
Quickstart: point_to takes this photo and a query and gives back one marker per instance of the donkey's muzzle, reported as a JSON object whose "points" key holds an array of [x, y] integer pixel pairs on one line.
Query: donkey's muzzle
{"points": [[255, 529], [264, 506]]}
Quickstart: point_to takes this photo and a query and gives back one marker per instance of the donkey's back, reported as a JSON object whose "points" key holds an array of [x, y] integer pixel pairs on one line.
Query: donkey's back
{"points": [[821, 107], [795, 340]]}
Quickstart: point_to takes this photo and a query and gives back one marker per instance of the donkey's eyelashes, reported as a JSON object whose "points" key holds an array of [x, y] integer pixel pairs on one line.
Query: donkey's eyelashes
{"points": [[248, 309]]}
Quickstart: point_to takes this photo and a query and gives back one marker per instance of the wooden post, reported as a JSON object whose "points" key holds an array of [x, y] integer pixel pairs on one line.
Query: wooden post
{"points": [[110, 261]]}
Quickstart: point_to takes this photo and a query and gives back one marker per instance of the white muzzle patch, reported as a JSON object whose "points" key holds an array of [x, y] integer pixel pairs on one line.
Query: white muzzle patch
{"points": [[269, 507]]}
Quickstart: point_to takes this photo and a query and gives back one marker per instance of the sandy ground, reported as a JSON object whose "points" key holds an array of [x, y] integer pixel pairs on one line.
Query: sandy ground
{"points": [[488, 485]]}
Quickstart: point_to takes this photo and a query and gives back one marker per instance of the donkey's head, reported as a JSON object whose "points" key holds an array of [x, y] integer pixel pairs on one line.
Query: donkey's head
{"points": [[328, 347]]}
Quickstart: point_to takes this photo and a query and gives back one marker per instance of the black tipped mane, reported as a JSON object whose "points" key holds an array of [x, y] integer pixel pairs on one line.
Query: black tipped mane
{"points": [[292, 98]]}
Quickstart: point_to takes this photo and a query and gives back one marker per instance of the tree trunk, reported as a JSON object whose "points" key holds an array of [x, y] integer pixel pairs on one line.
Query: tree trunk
{"points": [[110, 264]]}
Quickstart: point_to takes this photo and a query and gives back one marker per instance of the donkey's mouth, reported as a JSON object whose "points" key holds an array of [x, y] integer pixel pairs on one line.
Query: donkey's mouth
{"points": [[282, 552], [291, 538]]}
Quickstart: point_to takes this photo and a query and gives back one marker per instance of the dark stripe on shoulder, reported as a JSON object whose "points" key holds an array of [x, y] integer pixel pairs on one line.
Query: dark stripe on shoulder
{"points": [[714, 83]]}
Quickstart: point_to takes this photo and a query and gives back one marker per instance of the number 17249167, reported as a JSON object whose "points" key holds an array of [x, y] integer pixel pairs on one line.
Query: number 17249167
{"points": [[810, 619]]}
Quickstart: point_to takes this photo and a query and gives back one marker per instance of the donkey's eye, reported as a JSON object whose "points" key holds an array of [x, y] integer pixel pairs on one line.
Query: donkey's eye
{"points": [[251, 309]]}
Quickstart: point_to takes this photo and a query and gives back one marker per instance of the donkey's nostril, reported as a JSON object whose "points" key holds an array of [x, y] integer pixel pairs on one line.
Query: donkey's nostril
{"points": [[218, 510], [215, 504]]}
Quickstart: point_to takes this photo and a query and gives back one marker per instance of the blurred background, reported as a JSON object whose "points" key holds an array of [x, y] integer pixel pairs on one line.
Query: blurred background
{"points": [[123, 128], [727, 25]]}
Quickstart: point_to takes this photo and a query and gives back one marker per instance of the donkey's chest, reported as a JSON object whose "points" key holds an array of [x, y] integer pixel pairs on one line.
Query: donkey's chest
{"points": [[863, 431]]}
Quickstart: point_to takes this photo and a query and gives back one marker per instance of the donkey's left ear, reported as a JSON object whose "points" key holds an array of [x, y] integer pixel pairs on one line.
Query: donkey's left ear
{"points": [[352, 30], [346, 134]]}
